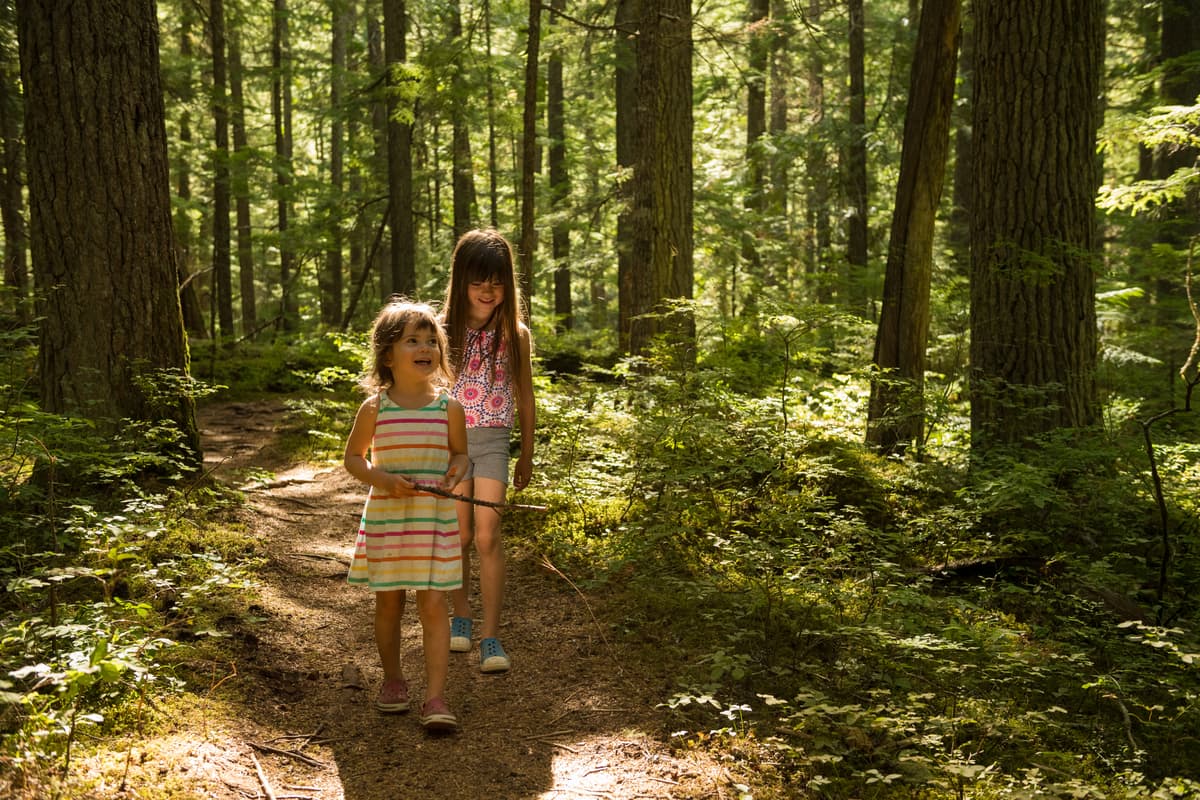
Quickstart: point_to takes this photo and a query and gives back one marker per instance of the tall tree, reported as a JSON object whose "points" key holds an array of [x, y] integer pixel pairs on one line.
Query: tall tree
{"points": [[493, 165], [958, 231], [625, 92], [281, 115], [331, 275], [754, 197], [819, 233], [856, 165], [12, 216], [777, 116], [1033, 316], [100, 211], [399, 150], [189, 298], [529, 148], [464, 170], [239, 175], [660, 217], [222, 270], [896, 415], [560, 185]]}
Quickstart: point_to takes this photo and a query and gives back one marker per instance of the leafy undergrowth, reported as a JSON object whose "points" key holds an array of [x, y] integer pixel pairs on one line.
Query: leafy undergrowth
{"points": [[841, 625], [852, 626]]}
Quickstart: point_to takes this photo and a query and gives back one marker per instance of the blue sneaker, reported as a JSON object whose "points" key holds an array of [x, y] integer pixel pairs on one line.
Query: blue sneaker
{"points": [[460, 635], [492, 657]]}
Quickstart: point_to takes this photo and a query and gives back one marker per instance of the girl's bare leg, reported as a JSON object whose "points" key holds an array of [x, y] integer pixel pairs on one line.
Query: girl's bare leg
{"points": [[435, 635], [490, 548], [389, 613]]}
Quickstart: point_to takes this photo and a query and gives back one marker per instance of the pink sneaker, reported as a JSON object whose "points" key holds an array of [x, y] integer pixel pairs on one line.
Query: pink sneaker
{"points": [[393, 697], [437, 717]]}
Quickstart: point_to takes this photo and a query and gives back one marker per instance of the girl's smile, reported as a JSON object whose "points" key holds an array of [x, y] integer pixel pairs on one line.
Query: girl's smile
{"points": [[485, 297], [415, 349]]}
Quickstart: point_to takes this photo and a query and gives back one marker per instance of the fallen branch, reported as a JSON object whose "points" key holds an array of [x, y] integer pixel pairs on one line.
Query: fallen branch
{"points": [[266, 748], [262, 777]]}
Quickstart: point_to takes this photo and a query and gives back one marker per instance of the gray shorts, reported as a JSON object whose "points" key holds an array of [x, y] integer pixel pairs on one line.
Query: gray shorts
{"points": [[488, 449]]}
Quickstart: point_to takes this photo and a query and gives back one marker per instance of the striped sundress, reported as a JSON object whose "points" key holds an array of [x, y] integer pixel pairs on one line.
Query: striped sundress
{"points": [[409, 542]]}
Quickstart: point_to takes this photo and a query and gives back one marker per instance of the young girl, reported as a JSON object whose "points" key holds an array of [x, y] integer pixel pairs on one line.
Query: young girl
{"points": [[490, 353], [408, 539]]}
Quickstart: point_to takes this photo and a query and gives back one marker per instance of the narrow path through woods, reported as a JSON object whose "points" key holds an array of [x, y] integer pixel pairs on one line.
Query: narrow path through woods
{"points": [[575, 717]]}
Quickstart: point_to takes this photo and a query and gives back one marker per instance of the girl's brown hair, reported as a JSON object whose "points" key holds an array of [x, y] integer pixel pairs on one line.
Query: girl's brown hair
{"points": [[390, 324], [484, 255]]}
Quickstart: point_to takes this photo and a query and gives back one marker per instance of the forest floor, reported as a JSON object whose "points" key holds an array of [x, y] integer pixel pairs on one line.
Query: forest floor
{"points": [[293, 715]]}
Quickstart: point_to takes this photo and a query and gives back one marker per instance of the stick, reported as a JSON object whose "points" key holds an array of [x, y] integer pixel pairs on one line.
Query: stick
{"points": [[262, 778], [462, 498]]}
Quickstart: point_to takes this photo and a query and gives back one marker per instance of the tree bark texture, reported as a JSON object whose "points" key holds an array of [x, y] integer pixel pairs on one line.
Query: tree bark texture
{"points": [[100, 212], [560, 186], [331, 276], [625, 92], [529, 149], [856, 166], [281, 112], [16, 273], [222, 267], [1033, 317], [189, 297], [758, 49], [896, 414], [399, 150], [661, 210], [465, 204], [240, 183]]}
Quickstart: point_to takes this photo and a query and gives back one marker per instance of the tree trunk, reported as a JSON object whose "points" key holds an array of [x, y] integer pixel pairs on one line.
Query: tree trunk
{"points": [[189, 297], [16, 274], [222, 268], [856, 167], [331, 275], [758, 49], [777, 126], [529, 159], [625, 25], [560, 186], [399, 148], [281, 112], [381, 262], [661, 216], [239, 174], [493, 166], [1033, 316], [464, 169], [100, 213], [896, 415], [817, 175], [958, 229]]}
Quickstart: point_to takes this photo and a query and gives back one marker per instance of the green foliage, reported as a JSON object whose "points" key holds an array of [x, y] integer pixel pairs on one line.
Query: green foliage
{"points": [[105, 571], [863, 627]]}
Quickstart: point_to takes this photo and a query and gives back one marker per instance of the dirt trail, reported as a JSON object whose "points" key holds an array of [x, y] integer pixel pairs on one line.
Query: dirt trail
{"points": [[573, 719]]}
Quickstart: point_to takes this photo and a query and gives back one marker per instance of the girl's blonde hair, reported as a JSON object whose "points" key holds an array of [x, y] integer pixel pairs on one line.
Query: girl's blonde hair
{"points": [[484, 255], [390, 324]]}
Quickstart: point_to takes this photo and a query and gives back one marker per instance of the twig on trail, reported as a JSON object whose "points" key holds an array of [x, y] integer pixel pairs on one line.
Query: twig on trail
{"points": [[262, 777], [318, 557], [266, 748], [462, 498], [540, 736]]}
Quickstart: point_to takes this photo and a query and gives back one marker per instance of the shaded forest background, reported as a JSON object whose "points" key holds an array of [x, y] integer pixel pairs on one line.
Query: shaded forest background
{"points": [[866, 328]]}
